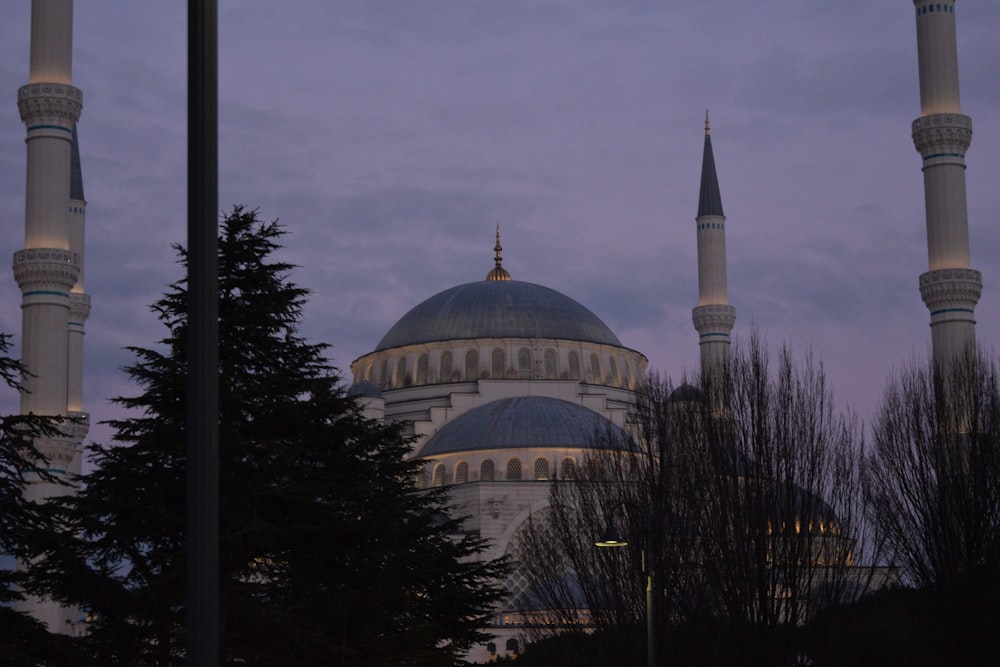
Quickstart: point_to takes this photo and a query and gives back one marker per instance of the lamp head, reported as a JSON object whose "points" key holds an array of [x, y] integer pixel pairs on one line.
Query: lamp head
{"points": [[611, 537]]}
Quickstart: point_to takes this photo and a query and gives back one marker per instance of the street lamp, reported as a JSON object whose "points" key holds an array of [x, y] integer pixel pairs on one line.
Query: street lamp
{"points": [[612, 538]]}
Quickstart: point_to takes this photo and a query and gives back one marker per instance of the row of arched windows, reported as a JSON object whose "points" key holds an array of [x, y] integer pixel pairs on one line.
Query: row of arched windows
{"points": [[514, 471], [395, 374]]}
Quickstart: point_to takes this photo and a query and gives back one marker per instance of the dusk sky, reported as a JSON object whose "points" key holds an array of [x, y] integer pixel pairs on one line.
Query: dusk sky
{"points": [[391, 137]]}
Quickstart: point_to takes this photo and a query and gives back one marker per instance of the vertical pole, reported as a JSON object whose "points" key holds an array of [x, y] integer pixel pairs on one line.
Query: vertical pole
{"points": [[202, 518], [650, 599]]}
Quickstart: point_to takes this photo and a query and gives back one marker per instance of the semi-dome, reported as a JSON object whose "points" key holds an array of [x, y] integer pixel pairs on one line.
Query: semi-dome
{"points": [[525, 421], [498, 309]]}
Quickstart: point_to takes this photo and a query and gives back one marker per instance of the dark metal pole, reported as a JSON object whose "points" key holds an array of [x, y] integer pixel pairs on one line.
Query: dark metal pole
{"points": [[202, 631], [650, 597]]}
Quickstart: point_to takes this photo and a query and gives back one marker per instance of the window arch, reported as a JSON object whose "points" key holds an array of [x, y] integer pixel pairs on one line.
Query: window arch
{"points": [[595, 368], [612, 371], [471, 365], [422, 369], [400, 372], [496, 368], [541, 468], [574, 366], [461, 472], [383, 378], [524, 363], [445, 374], [568, 468], [486, 471], [514, 469], [438, 475], [550, 364]]}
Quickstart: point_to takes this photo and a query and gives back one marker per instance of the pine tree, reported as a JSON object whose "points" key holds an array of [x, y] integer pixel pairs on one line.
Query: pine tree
{"points": [[328, 553], [23, 640]]}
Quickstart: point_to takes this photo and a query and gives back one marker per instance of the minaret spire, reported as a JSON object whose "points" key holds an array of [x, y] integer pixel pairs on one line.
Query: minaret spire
{"points": [[950, 288], [713, 317], [498, 273], [48, 268]]}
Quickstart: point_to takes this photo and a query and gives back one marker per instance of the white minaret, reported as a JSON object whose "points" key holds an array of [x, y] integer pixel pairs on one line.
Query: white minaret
{"points": [[48, 268], [941, 134], [713, 317]]}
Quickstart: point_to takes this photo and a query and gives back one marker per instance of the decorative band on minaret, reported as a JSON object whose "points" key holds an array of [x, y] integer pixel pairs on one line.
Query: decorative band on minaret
{"points": [[49, 268], [942, 135], [713, 317]]}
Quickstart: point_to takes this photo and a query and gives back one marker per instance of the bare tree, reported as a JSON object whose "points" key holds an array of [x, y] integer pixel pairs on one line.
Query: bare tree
{"points": [[934, 484], [746, 492]]}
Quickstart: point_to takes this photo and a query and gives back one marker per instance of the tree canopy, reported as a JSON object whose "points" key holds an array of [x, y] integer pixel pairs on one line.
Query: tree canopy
{"points": [[328, 552]]}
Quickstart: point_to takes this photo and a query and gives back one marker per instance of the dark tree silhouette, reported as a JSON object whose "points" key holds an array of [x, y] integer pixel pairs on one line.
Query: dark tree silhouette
{"points": [[328, 553]]}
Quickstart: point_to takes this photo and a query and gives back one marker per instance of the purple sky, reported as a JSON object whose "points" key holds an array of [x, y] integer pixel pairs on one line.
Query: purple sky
{"points": [[390, 138]]}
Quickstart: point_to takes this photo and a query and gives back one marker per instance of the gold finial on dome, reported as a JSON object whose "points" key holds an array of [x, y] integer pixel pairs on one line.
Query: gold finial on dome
{"points": [[498, 272]]}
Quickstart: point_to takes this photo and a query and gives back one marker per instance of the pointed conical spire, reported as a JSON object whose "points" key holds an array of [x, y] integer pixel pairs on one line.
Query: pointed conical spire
{"points": [[498, 272], [709, 200], [76, 171]]}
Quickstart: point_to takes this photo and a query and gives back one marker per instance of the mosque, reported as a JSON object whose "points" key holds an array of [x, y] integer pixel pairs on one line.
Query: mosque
{"points": [[502, 383]]}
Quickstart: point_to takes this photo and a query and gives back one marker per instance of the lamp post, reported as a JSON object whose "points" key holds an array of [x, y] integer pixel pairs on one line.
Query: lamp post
{"points": [[612, 538]]}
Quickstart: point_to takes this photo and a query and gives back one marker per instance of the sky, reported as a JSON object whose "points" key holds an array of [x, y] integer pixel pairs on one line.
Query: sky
{"points": [[391, 137]]}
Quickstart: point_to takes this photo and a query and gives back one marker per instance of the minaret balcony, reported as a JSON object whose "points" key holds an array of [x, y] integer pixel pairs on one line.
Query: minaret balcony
{"points": [[714, 318], [944, 136], [46, 271], [49, 108], [951, 294]]}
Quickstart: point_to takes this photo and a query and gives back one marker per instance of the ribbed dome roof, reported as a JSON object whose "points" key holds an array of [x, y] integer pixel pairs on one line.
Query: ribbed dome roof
{"points": [[523, 421], [497, 309]]}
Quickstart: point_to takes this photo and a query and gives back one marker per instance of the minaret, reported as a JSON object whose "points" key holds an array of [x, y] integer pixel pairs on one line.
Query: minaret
{"points": [[713, 317], [48, 268], [941, 134]]}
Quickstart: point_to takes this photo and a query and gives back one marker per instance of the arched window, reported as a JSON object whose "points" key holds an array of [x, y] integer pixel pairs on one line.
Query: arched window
{"points": [[445, 374], [486, 471], [461, 472], [438, 475], [524, 363], [471, 365], [422, 369], [541, 468], [595, 368], [384, 379], [568, 468], [574, 366], [512, 645], [612, 371], [401, 372], [369, 371], [496, 370], [550, 364], [514, 469]]}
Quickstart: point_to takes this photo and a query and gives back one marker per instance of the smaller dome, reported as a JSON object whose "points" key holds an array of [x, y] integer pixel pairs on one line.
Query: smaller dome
{"points": [[525, 421], [686, 393], [364, 389]]}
